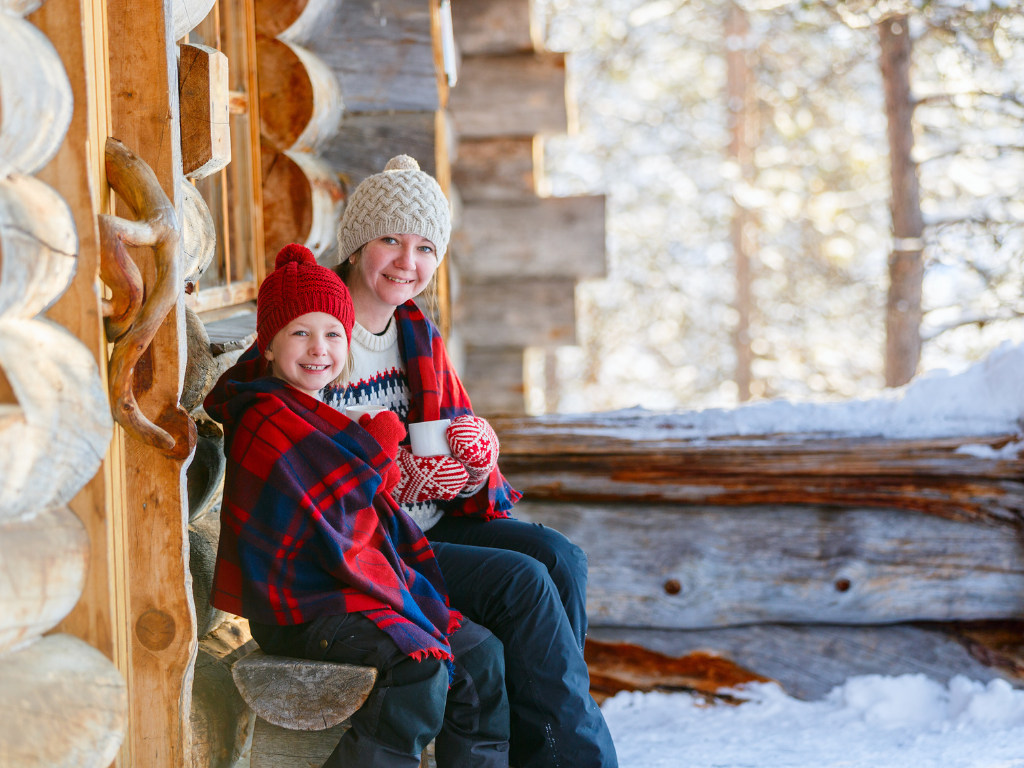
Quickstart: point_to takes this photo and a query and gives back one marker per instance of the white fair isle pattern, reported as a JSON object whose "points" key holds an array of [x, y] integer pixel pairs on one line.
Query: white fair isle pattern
{"points": [[429, 477], [378, 378]]}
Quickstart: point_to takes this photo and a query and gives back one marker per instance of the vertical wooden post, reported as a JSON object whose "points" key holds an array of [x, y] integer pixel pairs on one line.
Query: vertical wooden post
{"points": [[77, 173], [737, 93], [161, 618], [906, 263]]}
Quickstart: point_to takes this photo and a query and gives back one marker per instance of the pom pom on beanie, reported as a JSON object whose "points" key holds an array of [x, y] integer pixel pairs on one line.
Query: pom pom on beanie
{"points": [[297, 286], [400, 200]]}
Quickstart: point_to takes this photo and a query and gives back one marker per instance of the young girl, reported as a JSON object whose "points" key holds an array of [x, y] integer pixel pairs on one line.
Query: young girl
{"points": [[317, 555], [526, 583]]}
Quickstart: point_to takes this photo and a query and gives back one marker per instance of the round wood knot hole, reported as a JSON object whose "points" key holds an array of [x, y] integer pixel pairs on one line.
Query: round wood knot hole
{"points": [[842, 585], [673, 587], [324, 644], [155, 629]]}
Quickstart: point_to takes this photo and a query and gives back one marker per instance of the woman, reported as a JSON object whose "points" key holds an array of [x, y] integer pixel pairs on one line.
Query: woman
{"points": [[526, 583]]}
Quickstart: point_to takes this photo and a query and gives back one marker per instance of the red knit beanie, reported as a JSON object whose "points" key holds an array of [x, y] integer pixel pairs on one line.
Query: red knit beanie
{"points": [[296, 286]]}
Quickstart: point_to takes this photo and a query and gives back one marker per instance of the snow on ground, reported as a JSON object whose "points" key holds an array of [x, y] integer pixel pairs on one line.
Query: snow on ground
{"points": [[871, 721], [985, 399]]}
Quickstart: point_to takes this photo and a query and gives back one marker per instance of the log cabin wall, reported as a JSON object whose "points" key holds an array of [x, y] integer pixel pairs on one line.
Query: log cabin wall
{"points": [[517, 254]]}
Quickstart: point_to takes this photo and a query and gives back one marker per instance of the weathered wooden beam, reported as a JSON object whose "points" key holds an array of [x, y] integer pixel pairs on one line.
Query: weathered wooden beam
{"points": [[651, 458], [293, 20], [497, 169], [538, 238], [42, 571], [690, 567], [302, 202], [35, 96], [519, 95], [221, 721], [534, 313], [364, 143], [92, 704], [275, 747], [198, 235], [808, 661], [382, 53], [300, 97], [144, 115], [494, 27], [205, 124], [493, 377]]}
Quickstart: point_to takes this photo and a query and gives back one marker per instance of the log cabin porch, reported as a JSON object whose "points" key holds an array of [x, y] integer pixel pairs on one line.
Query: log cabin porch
{"points": [[153, 158]]}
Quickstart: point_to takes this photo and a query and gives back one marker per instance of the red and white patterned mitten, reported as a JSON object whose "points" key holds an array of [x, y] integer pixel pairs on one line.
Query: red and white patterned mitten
{"points": [[474, 443], [428, 477]]}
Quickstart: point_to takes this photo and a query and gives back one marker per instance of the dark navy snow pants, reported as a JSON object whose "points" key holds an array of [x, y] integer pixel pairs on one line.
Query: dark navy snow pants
{"points": [[528, 585]]}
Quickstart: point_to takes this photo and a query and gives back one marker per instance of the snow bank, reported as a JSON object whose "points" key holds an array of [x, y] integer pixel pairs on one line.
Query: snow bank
{"points": [[872, 721], [985, 399]]}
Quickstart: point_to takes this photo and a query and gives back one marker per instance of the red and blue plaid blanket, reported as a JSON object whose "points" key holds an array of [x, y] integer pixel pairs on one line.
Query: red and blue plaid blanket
{"points": [[304, 533], [436, 394]]}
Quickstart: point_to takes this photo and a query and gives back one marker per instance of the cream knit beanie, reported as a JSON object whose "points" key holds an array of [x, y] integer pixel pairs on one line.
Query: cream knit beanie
{"points": [[401, 200]]}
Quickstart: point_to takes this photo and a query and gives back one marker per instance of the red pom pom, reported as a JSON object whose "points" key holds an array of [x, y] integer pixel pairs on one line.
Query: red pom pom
{"points": [[294, 252]]}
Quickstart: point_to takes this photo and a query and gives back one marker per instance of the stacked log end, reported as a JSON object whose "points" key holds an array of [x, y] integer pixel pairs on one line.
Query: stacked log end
{"points": [[301, 107], [62, 702], [518, 254]]}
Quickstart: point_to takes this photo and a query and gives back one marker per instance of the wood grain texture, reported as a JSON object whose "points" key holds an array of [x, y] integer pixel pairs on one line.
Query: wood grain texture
{"points": [[38, 246], [529, 313], [42, 571], [498, 169], [205, 123], [382, 53], [494, 27], [365, 143], [35, 96], [60, 679], [293, 20], [43, 462], [187, 14], [808, 661], [144, 115], [20, 7], [76, 173], [553, 237], [493, 377], [203, 367], [649, 458], [691, 567], [519, 95], [300, 97], [275, 747], [302, 202], [221, 721], [301, 694], [198, 234]]}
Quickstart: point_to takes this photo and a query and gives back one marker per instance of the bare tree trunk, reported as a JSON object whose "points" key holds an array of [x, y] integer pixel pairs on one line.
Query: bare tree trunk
{"points": [[736, 29], [906, 265]]}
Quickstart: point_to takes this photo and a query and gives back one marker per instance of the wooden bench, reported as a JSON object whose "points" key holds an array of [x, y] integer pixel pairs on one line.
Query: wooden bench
{"points": [[301, 706]]}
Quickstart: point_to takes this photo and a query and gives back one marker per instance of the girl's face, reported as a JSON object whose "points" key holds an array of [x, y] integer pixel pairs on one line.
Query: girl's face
{"points": [[391, 270], [310, 352]]}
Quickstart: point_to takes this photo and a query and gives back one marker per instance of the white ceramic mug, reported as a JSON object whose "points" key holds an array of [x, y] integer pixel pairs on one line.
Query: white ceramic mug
{"points": [[355, 412], [429, 438]]}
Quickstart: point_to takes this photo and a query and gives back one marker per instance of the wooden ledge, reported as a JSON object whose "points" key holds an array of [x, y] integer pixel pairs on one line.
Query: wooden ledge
{"points": [[300, 694]]}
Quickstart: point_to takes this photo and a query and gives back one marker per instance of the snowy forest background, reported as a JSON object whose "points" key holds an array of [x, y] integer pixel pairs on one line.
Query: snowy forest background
{"points": [[649, 78]]}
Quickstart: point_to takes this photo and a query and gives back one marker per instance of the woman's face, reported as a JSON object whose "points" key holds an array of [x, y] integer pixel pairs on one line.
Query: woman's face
{"points": [[391, 270]]}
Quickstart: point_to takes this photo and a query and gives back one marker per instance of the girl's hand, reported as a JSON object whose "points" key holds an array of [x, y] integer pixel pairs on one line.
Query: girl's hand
{"points": [[474, 443], [428, 477]]}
